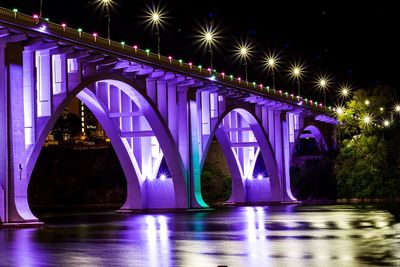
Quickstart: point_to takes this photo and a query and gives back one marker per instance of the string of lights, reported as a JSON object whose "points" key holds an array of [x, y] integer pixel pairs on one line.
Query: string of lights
{"points": [[210, 36]]}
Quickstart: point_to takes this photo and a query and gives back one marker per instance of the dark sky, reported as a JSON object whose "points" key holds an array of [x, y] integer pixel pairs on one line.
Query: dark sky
{"points": [[353, 43]]}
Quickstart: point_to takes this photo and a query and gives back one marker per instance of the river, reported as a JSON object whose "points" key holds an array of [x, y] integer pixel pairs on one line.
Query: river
{"points": [[281, 235]]}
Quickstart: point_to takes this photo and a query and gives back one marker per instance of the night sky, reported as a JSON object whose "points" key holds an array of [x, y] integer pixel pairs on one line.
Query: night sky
{"points": [[351, 43]]}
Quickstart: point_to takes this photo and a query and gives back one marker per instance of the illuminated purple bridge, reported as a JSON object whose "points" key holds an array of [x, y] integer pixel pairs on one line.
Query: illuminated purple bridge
{"points": [[152, 108]]}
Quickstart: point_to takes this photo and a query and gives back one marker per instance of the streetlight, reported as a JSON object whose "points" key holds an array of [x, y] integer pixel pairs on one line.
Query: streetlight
{"points": [[296, 72], [209, 37], [155, 17], [244, 52], [106, 5], [271, 62], [40, 10], [323, 84], [344, 91]]}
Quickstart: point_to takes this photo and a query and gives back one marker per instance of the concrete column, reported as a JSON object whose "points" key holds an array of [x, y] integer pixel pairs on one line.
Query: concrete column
{"points": [[29, 86], [287, 192], [194, 181], [183, 125], [271, 127], [59, 77], [162, 99], [151, 89], [278, 145], [18, 208], [172, 110], [3, 135], [44, 82], [74, 73]]}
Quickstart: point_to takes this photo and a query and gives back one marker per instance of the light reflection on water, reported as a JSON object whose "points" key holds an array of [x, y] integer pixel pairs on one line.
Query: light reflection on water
{"points": [[245, 236]]}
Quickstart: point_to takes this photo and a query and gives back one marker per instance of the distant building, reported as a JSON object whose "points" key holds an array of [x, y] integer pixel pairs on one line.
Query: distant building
{"points": [[77, 124]]}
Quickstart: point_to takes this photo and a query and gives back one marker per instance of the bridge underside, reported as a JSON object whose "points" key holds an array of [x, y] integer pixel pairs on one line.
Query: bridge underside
{"points": [[150, 112]]}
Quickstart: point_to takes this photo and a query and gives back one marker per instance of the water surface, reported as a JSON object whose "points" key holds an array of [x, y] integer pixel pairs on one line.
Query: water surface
{"points": [[291, 235]]}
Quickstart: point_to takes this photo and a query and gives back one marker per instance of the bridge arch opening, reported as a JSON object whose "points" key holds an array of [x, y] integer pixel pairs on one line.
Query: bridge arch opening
{"points": [[77, 168], [249, 157], [311, 167], [139, 138]]}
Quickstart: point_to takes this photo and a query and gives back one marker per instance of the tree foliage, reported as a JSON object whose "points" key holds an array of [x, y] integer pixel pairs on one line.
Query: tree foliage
{"points": [[368, 162]]}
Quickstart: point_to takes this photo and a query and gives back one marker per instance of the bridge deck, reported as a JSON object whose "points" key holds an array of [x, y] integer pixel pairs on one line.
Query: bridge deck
{"points": [[69, 36]]}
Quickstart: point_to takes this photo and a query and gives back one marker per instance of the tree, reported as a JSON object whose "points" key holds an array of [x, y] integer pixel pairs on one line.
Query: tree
{"points": [[367, 165], [67, 124]]}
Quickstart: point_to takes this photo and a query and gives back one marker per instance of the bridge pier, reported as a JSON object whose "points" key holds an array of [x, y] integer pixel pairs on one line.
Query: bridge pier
{"points": [[14, 175]]}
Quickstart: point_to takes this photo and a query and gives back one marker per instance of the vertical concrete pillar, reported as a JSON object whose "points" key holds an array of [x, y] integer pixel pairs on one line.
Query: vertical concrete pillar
{"points": [[287, 192], [271, 127], [44, 82], [29, 87], [18, 208], [162, 99], [194, 145], [278, 145], [3, 135], [172, 110], [151, 89]]}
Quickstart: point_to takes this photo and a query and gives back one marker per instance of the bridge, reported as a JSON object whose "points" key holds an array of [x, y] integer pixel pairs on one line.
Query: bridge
{"points": [[153, 108]]}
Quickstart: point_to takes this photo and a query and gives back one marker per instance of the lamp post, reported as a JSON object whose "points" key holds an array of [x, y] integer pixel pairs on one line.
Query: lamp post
{"points": [[296, 73], [323, 84], [40, 10], [209, 39], [155, 17], [106, 5], [271, 63], [244, 54]]}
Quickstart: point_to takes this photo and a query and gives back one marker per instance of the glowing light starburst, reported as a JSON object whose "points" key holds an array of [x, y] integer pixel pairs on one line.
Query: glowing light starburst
{"points": [[323, 83], [156, 19], [296, 73], [386, 123], [244, 52], [104, 5], [344, 91], [271, 62], [209, 37], [366, 120], [340, 110], [396, 108], [156, 16]]}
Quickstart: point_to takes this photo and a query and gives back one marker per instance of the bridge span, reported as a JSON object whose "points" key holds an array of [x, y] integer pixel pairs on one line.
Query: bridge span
{"points": [[152, 108]]}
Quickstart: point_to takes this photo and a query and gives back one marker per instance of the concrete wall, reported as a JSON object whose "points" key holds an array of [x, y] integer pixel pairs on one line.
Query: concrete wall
{"points": [[160, 193]]}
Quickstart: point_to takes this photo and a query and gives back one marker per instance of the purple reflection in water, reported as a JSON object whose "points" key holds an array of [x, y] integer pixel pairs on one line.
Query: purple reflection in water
{"points": [[243, 236]]}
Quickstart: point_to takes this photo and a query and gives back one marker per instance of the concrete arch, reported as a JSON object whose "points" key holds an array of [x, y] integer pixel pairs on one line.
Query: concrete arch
{"points": [[317, 134], [136, 197], [265, 148]]}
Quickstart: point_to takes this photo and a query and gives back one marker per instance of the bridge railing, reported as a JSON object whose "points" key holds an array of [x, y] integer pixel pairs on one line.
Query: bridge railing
{"points": [[121, 49]]}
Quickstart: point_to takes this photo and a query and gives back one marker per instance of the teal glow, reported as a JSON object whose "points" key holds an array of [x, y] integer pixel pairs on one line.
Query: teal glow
{"points": [[195, 156]]}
